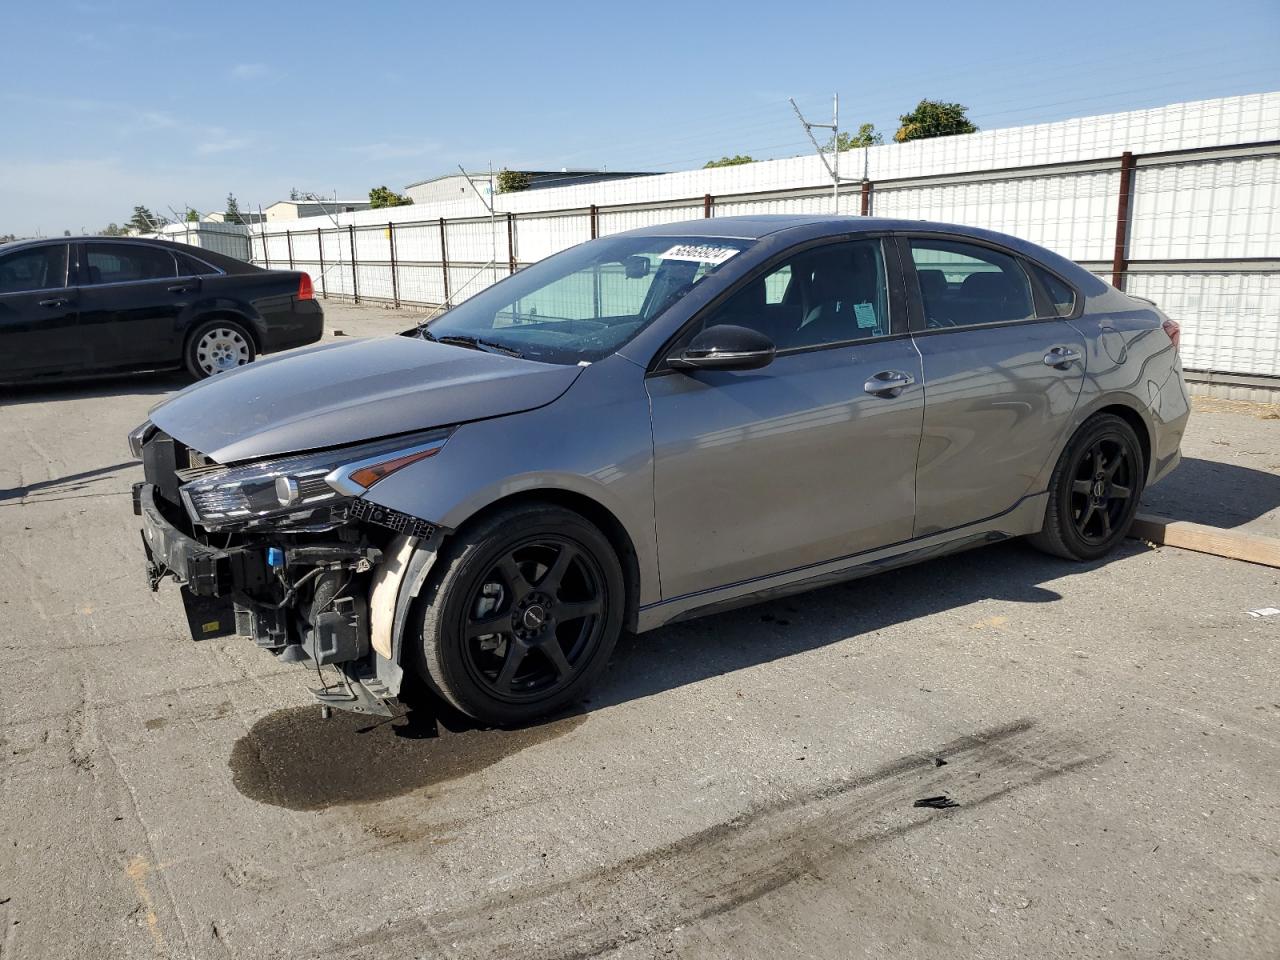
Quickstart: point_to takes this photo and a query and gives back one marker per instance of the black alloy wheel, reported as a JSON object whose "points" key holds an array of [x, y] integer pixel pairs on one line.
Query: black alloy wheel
{"points": [[520, 613], [1094, 491], [534, 618], [1101, 490]]}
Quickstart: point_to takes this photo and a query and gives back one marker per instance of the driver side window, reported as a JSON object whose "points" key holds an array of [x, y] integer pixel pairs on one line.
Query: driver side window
{"points": [[834, 293]]}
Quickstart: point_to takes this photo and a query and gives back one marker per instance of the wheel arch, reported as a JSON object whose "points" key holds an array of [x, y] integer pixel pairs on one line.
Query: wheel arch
{"points": [[198, 320], [1140, 427], [594, 511], [1127, 408]]}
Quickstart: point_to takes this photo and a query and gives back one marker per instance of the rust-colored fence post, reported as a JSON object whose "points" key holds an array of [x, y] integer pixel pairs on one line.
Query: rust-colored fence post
{"points": [[595, 225], [324, 283], [266, 251], [444, 261], [865, 205], [395, 286], [706, 206], [288, 238], [355, 283], [1120, 262], [511, 242]]}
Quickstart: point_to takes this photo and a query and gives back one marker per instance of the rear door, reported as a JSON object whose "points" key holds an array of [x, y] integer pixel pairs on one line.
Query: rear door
{"points": [[1002, 374], [131, 299], [37, 312]]}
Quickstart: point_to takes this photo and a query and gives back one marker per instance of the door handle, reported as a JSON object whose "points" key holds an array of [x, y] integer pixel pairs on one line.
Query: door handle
{"points": [[55, 302], [888, 383], [182, 288], [1061, 357]]}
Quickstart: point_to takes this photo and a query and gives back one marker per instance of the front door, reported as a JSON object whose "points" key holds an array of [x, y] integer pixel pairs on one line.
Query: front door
{"points": [[37, 312], [809, 459], [1001, 380]]}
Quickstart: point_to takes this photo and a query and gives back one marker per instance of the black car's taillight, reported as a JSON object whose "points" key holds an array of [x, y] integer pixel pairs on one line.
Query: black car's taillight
{"points": [[305, 290]]}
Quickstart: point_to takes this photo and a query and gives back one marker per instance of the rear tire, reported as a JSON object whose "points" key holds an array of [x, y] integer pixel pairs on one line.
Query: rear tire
{"points": [[521, 614], [217, 346], [1094, 491]]}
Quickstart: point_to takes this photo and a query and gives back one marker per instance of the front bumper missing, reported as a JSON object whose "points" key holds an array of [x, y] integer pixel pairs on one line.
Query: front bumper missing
{"points": [[305, 606]]}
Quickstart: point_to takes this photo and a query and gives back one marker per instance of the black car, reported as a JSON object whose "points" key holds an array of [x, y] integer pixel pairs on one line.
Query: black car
{"points": [[90, 305]]}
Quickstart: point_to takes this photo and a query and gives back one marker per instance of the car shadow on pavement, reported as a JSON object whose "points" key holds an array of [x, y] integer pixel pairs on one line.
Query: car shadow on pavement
{"points": [[61, 488], [54, 391], [852, 612], [1214, 493], [293, 758]]}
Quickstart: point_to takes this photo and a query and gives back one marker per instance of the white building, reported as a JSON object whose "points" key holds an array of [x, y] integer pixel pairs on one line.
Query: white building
{"points": [[297, 209]]}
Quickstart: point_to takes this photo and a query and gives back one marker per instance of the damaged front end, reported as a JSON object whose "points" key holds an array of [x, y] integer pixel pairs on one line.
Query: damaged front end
{"points": [[287, 552]]}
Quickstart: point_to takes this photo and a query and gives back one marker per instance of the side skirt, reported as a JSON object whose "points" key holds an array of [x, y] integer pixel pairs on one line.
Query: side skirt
{"points": [[1025, 518]]}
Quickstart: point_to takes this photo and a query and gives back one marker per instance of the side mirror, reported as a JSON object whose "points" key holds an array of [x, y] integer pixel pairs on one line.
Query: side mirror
{"points": [[636, 267], [726, 347]]}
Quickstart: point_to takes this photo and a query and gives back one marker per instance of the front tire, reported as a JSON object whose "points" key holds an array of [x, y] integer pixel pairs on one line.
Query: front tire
{"points": [[522, 614], [217, 346], [1094, 491]]}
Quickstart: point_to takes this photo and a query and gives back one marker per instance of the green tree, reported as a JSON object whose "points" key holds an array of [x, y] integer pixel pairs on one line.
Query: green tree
{"points": [[867, 136], [512, 181], [192, 216], [735, 160], [294, 194], [233, 214], [143, 220], [113, 230], [385, 197], [933, 118]]}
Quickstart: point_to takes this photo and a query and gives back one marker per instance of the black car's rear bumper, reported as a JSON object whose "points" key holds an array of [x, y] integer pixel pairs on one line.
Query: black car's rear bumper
{"points": [[295, 323]]}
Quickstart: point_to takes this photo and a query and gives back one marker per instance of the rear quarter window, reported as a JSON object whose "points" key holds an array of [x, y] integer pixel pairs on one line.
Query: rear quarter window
{"points": [[1062, 298]]}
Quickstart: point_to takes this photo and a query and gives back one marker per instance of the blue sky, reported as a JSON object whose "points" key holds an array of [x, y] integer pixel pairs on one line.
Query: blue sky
{"points": [[109, 103]]}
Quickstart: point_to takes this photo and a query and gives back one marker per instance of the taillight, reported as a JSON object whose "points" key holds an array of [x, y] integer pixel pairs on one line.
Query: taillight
{"points": [[305, 290], [1174, 330]]}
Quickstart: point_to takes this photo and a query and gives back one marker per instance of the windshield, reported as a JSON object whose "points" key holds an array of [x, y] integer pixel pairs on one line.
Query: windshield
{"points": [[585, 303]]}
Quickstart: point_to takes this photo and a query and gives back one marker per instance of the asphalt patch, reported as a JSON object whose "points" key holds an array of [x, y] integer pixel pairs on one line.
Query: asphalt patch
{"points": [[292, 758]]}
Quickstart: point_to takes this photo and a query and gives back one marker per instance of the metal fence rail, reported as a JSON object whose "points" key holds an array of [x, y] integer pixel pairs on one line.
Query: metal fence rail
{"points": [[1198, 231]]}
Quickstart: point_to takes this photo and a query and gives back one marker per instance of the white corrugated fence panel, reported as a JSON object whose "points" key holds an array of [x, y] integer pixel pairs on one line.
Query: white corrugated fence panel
{"points": [[1216, 208], [1229, 320]]}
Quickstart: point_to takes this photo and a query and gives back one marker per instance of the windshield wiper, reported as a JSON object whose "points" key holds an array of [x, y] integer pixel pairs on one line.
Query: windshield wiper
{"points": [[472, 343]]}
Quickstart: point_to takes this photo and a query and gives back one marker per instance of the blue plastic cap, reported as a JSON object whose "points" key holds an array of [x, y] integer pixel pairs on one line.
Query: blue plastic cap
{"points": [[275, 557]]}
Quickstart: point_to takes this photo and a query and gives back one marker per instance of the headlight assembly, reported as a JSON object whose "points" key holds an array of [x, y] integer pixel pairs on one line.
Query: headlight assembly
{"points": [[301, 484]]}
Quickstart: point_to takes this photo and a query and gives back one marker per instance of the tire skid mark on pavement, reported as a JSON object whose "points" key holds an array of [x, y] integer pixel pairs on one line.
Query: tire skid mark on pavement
{"points": [[755, 855]]}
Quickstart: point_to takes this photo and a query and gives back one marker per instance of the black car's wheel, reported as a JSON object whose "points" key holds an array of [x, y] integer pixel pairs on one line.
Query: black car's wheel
{"points": [[1094, 492], [217, 346], [521, 614]]}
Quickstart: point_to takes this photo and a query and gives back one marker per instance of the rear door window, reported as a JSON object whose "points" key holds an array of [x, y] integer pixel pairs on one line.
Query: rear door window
{"points": [[41, 268], [964, 284], [127, 263]]}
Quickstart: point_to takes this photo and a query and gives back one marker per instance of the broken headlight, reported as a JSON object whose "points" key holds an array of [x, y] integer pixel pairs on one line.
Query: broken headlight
{"points": [[301, 484]]}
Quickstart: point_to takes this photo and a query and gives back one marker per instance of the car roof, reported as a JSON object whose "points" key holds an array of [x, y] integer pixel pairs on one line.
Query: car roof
{"points": [[811, 226], [762, 225], [222, 261]]}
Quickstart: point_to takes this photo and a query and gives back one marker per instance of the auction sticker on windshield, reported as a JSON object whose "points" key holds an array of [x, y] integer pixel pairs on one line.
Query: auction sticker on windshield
{"points": [[699, 253]]}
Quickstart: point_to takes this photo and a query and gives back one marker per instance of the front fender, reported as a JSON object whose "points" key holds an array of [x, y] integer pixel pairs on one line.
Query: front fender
{"points": [[595, 441]]}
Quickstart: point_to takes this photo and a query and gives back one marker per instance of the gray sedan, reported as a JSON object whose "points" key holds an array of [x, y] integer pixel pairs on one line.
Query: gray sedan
{"points": [[649, 427]]}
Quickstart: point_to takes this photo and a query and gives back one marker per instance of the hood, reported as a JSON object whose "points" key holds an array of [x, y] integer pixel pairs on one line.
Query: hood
{"points": [[348, 392]]}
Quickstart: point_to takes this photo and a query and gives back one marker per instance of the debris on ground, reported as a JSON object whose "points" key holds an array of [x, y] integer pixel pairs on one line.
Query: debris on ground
{"points": [[940, 802]]}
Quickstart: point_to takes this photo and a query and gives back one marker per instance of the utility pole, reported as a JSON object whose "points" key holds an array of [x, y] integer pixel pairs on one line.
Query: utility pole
{"points": [[833, 168]]}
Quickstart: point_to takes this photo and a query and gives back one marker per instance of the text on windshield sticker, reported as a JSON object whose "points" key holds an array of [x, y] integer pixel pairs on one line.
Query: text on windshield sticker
{"points": [[699, 253]]}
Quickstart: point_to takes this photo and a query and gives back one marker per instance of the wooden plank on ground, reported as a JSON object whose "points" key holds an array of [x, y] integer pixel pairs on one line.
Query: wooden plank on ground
{"points": [[1186, 535]]}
